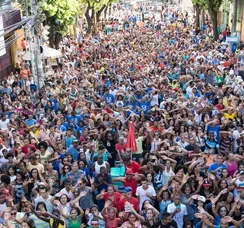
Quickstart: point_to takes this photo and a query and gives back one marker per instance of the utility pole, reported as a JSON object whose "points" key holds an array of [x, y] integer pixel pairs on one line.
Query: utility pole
{"points": [[39, 66], [234, 15], [29, 32]]}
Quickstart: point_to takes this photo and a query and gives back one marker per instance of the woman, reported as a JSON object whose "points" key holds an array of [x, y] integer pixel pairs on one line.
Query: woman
{"points": [[65, 209], [66, 168], [52, 178], [200, 138], [150, 179], [19, 155], [111, 194], [28, 223], [168, 170], [231, 164], [83, 166], [33, 182], [109, 214], [12, 173], [155, 142], [163, 197], [134, 220], [221, 213], [44, 153], [149, 213], [19, 186]]}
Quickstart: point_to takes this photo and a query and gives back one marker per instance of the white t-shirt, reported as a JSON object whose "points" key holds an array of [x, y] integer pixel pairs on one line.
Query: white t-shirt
{"points": [[237, 135], [4, 124], [179, 217], [154, 100], [141, 193]]}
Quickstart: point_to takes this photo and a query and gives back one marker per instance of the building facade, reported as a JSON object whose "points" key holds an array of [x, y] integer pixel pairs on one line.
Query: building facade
{"points": [[9, 18]]}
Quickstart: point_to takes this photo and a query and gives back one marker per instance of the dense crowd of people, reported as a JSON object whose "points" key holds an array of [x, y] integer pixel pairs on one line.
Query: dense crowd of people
{"points": [[137, 127]]}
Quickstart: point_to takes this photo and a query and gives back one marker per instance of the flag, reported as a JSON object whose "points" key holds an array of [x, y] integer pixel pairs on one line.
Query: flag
{"points": [[131, 140]]}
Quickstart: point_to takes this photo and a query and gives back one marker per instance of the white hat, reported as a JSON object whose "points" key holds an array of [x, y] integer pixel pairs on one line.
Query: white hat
{"points": [[231, 72], [201, 198]]}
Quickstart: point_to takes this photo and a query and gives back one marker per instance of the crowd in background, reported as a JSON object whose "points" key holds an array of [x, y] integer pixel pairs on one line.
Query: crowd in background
{"points": [[140, 126]]}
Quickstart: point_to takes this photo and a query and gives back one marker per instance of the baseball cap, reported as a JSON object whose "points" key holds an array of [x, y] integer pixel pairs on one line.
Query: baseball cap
{"points": [[128, 189], [206, 183], [201, 198], [242, 172], [129, 171]]}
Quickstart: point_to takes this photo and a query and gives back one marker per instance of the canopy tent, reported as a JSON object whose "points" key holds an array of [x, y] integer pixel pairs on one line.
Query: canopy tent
{"points": [[47, 53]]}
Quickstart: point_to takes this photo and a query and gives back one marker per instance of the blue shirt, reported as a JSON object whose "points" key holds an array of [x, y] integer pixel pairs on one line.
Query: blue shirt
{"points": [[74, 152], [76, 176], [215, 166], [109, 98], [69, 141], [145, 106], [30, 122], [216, 130]]}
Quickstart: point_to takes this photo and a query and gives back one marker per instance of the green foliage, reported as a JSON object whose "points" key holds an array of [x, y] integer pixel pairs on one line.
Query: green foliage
{"points": [[60, 12], [52, 11], [211, 5], [97, 5]]}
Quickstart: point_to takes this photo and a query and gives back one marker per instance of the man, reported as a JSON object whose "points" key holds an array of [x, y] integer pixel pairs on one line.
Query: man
{"points": [[30, 121], [128, 198], [214, 126], [145, 192], [44, 197], [102, 179], [69, 138], [216, 168], [109, 144], [75, 174], [166, 222], [237, 135], [129, 164], [130, 180], [34, 164], [178, 211], [4, 122], [86, 198], [73, 150], [9, 163], [66, 190]]}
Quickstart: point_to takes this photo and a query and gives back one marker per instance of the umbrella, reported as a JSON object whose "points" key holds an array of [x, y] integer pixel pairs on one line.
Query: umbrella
{"points": [[131, 140], [47, 53]]}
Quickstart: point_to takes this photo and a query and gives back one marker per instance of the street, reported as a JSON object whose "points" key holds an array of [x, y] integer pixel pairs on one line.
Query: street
{"points": [[135, 120]]}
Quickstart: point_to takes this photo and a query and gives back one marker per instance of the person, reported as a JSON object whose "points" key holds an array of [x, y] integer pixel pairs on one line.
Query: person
{"points": [[145, 192], [166, 221], [216, 168], [178, 211], [129, 199], [44, 197], [138, 119]]}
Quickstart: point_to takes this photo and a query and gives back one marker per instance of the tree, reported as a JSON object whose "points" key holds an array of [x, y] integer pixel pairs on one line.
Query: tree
{"points": [[94, 9], [58, 14], [213, 8]]}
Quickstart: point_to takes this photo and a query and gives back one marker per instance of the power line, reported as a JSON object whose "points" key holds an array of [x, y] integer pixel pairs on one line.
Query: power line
{"points": [[14, 26], [13, 13]]}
